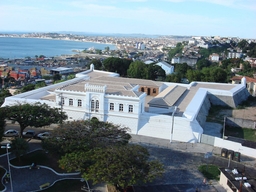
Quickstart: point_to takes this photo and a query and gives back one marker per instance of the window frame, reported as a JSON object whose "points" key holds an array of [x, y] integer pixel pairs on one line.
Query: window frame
{"points": [[70, 102], [111, 107], [121, 107], [79, 103], [130, 108]]}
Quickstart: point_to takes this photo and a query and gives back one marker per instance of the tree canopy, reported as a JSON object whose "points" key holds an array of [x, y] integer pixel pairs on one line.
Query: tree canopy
{"points": [[123, 166], [137, 69], [36, 115], [101, 152], [2, 123], [85, 135], [3, 94], [115, 64], [176, 50], [97, 64], [19, 147]]}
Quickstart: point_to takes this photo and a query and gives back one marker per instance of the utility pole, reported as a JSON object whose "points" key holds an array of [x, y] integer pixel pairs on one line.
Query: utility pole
{"points": [[61, 107]]}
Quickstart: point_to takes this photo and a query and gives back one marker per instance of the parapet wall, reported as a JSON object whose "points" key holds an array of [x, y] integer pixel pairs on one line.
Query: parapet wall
{"points": [[232, 100]]}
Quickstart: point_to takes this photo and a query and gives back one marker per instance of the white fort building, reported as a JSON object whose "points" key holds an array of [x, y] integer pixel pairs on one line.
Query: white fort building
{"points": [[151, 108]]}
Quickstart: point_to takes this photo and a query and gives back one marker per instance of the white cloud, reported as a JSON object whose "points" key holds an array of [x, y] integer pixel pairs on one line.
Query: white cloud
{"points": [[244, 4]]}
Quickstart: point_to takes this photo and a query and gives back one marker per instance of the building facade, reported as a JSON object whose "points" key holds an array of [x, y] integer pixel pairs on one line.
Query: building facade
{"points": [[163, 110]]}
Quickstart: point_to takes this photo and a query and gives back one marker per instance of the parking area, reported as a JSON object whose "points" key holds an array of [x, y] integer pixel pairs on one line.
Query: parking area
{"points": [[29, 132]]}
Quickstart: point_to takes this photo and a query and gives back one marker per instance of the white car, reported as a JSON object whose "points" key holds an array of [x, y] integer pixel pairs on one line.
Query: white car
{"points": [[43, 135], [11, 133]]}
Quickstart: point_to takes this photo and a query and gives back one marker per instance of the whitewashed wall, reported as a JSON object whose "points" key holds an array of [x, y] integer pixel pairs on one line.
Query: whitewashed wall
{"points": [[237, 147]]}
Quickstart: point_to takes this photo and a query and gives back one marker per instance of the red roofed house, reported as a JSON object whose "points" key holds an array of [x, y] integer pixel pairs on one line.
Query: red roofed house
{"points": [[250, 83]]}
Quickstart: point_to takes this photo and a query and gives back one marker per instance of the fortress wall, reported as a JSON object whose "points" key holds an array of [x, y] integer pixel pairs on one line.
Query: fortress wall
{"points": [[203, 112]]}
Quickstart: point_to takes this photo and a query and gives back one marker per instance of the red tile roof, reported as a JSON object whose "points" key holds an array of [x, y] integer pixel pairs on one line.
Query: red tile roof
{"points": [[248, 79]]}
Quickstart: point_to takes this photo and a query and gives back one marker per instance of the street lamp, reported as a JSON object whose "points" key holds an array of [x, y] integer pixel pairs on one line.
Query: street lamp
{"points": [[8, 146]]}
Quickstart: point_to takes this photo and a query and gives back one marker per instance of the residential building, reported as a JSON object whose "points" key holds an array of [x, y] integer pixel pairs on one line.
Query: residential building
{"points": [[250, 83], [234, 180], [214, 57], [169, 69]]}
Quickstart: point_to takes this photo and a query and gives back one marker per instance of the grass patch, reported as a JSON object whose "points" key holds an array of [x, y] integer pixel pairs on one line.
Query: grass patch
{"points": [[41, 158], [69, 185], [250, 101], [215, 115], [244, 133], [2, 172], [210, 172]]}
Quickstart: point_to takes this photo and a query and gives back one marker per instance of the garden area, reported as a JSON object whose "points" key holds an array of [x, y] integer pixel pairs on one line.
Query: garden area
{"points": [[39, 157], [210, 172], [244, 133], [49, 160]]}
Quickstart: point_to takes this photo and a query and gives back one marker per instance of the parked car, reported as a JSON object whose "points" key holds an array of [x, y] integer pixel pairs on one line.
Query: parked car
{"points": [[43, 135], [29, 133], [11, 133]]}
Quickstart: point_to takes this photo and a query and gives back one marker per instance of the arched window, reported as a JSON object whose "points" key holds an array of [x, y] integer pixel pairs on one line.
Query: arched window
{"points": [[154, 90], [92, 105], [97, 106], [142, 89]]}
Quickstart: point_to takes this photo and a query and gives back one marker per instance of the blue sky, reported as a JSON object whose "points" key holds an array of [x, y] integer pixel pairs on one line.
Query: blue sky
{"points": [[225, 18]]}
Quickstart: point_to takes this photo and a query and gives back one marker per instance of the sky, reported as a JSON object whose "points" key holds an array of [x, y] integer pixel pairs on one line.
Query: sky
{"points": [[225, 18]]}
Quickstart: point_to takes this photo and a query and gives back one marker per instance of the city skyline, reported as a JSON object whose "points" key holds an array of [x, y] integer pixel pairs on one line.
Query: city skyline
{"points": [[229, 18]]}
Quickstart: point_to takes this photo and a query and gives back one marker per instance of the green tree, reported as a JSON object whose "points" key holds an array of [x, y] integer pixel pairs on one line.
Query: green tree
{"points": [[107, 48], [36, 115], [19, 147], [40, 84], [85, 135], [98, 51], [181, 69], [122, 166], [175, 77], [155, 72], [2, 123], [97, 64], [115, 64], [137, 69], [177, 50], [25, 88], [193, 75], [214, 74], [111, 64], [3, 94], [202, 63], [71, 76], [57, 77], [243, 44]]}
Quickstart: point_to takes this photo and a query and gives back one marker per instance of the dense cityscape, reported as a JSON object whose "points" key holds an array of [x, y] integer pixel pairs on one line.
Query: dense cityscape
{"points": [[128, 96]]}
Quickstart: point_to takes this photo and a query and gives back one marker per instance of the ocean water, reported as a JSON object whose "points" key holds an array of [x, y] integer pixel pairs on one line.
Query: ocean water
{"points": [[14, 48]]}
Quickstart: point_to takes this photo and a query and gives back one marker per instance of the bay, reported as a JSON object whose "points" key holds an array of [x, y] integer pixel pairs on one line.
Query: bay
{"points": [[14, 48]]}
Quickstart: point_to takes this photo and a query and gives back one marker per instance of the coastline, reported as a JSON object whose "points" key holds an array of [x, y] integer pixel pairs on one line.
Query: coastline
{"points": [[68, 49], [64, 39]]}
